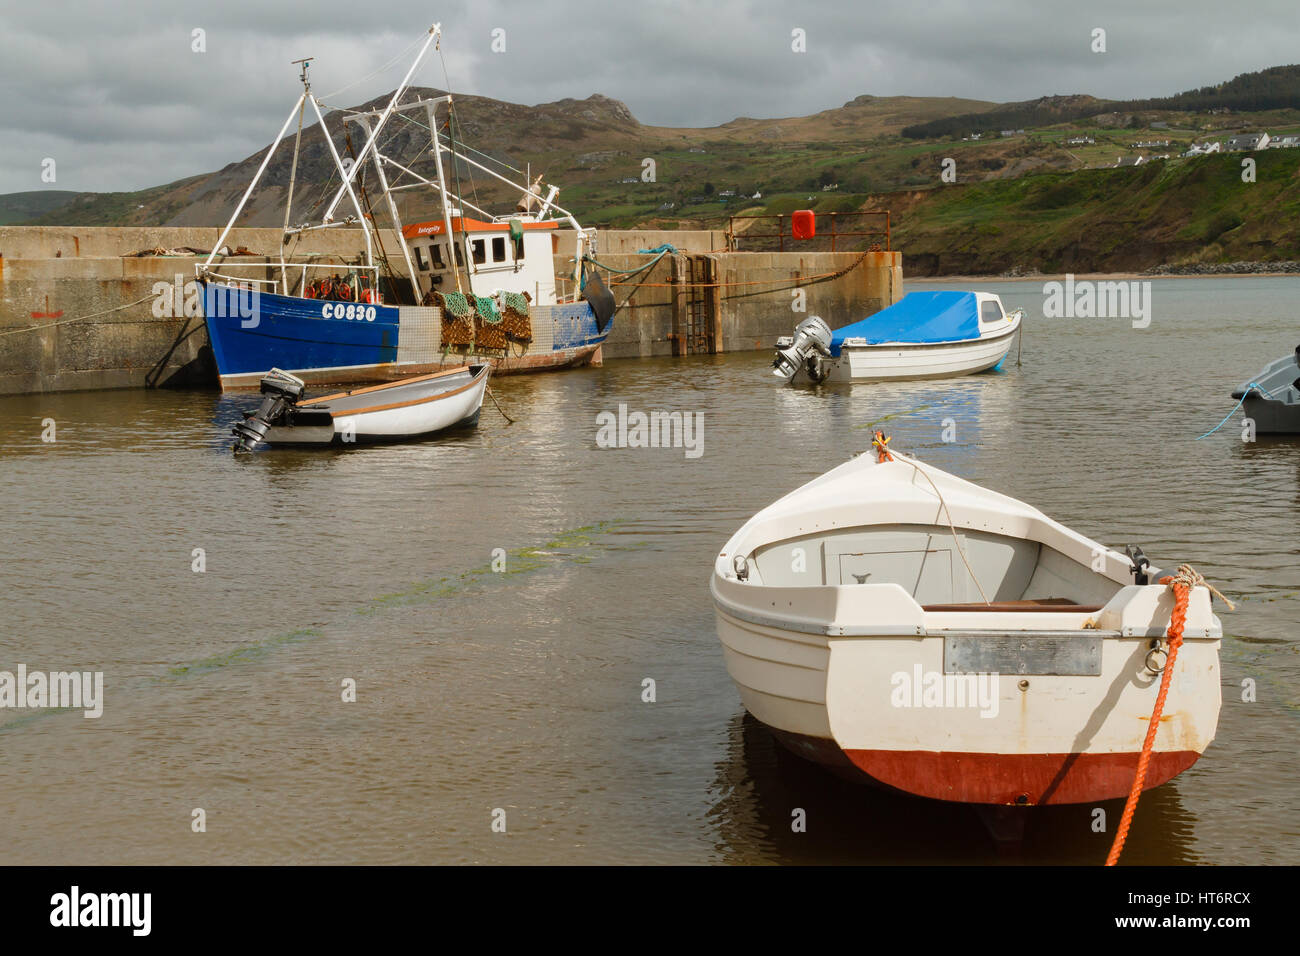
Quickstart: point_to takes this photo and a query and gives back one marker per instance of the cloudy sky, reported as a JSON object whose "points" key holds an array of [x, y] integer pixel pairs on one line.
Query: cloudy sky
{"points": [[116, 95]]}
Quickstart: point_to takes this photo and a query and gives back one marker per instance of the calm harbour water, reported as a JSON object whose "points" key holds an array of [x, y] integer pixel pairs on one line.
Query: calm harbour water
{"points": [[523, 690]]}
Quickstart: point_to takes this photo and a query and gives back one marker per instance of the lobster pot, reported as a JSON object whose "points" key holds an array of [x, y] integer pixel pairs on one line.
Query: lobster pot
{"points": [[457, 320], [515, 318], [489, 329], [457, 330]]}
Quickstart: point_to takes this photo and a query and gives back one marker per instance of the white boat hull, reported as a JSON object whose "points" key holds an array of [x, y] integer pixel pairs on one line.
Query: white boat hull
{"points": [[390, 418], [1063, 739], [854, 633], [877, 363]]}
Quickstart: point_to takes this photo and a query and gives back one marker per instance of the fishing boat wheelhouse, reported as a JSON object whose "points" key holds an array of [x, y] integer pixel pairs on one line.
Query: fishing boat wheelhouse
{"points": [[512, 256], [494, 301]]}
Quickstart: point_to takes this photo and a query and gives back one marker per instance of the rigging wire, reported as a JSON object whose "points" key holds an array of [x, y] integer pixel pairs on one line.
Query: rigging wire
{"points": [[451, 131], [376, 72], [465, 147]]}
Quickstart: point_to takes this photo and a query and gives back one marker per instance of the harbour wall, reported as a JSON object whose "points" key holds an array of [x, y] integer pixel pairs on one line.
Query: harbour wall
{"points": [[79, 311]]}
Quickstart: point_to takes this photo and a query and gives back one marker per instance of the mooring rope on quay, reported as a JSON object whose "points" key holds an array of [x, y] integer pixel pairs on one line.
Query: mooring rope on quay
{"points": [[78, 318], [796, 282]]}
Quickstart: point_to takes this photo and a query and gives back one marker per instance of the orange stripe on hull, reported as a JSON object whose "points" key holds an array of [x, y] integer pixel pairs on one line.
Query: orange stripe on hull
{"points": [[1026, 779]]}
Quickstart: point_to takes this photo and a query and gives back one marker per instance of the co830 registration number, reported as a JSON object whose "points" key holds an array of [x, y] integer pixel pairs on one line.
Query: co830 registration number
{"points": [[348, 310]]}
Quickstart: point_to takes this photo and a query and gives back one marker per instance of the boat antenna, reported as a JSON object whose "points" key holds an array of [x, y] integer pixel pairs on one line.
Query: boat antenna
{"points": [[306, 61]]}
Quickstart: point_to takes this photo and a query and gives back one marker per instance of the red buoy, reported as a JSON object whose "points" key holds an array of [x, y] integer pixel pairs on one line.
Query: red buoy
{"points": [[803, 224]]}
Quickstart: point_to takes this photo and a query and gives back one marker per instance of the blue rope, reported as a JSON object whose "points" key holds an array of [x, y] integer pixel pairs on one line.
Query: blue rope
{"points": [[1244, 395], [658, 252]]}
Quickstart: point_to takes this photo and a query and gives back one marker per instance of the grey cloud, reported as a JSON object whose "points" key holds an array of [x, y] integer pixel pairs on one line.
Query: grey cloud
{"points": [[115, 94]]}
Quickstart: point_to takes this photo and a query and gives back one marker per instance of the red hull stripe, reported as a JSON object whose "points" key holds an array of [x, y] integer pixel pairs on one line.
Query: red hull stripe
{"points": [[1016, 778]]}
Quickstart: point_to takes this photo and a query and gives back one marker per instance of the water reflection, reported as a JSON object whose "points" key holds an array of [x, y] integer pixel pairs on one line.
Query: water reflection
{"points": [[758, 784]]}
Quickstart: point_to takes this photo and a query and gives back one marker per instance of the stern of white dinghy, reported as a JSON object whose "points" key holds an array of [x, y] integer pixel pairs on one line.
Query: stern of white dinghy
{"points": [[1026, 708]]}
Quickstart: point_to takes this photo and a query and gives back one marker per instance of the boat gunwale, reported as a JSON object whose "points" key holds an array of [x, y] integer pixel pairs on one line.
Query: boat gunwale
{"points": [[397, 383], [995, 336], [424, 400]]}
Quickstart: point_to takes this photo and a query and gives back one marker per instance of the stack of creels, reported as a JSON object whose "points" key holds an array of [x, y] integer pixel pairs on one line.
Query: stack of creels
{"points": [[457, 320], [516, 319], [489, 331]]}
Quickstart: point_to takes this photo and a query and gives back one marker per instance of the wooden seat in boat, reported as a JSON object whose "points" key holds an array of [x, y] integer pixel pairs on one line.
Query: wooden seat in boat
{"points": [[1040, 604]]}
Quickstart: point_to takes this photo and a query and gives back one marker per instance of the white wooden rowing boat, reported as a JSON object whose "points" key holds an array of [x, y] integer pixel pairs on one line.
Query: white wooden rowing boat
{"points": [[853, 622], [415, 407]]}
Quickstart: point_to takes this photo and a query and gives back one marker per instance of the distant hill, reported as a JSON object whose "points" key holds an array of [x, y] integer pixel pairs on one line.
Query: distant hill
{"points": [[586, 145], [21, 207], [1275, 88], [1043, 199]]}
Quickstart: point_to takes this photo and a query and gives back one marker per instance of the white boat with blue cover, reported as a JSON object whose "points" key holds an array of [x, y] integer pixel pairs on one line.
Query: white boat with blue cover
{"points": [[923, 335]]}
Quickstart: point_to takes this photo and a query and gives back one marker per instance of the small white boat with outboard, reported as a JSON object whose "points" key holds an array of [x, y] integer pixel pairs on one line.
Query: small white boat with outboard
{"points": [[923, 335], [415, 407], [925, 633]]}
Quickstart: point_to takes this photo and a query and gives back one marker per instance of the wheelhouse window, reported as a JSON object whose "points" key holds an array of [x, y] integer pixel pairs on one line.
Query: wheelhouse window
{"points": [[479, 249], [989, 312], [438, 262], [421, 263], [498, 248]]}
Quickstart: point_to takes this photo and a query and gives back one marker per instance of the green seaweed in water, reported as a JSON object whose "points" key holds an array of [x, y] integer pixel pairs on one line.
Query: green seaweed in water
{"points": [[244, 654], [576, 546]]}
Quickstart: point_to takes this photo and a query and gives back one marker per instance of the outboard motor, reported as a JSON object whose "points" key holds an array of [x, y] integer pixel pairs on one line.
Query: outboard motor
{"points": [[280, 391], [811, 346]]}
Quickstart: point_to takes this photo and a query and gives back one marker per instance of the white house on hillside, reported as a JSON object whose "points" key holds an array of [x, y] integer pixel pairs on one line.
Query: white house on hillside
{"points": [[1203, 149], [1246, 141]]}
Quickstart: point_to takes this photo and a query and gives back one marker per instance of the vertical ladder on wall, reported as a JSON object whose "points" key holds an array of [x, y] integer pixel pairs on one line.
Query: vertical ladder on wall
{"points": [[696, 306]]}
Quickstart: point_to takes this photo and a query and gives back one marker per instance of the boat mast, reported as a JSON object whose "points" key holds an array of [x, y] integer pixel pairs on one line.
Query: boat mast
{"points": [[548, 203], [293, 174], [349, 173], [252, 185], [364, 122], [434, 32], [452, 248]]}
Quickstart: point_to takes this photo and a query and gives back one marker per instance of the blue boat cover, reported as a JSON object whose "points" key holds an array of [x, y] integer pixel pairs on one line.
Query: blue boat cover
{"points": [[918, 317]]}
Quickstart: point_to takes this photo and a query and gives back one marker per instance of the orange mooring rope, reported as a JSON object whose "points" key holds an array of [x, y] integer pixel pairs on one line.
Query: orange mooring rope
{"points": [[881, 444], [1182, 582]]}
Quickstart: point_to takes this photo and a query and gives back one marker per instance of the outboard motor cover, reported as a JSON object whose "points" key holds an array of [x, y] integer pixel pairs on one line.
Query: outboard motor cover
{"points": [[280, 391], [812, 337]]}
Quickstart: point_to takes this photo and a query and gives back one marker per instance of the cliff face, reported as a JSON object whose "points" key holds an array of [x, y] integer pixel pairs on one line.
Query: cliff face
{"points": [[1187, 213]]}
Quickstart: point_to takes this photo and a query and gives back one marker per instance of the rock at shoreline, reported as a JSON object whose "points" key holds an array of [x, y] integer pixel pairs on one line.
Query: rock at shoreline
{"points": [[1225, 268]]}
